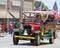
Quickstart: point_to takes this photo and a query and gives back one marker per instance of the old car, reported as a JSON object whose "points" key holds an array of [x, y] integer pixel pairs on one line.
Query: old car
{"points": [[33, 30]]}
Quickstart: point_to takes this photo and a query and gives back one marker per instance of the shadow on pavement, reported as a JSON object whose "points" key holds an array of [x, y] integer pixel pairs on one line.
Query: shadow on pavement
{"points": [[30, 44], [1, 36]]}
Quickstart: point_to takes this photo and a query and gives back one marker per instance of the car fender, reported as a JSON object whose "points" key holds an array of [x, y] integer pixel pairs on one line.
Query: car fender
{"points": [[16, 30], [51, 32]]}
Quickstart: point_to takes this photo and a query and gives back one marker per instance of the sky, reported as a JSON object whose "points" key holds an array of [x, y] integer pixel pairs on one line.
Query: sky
{"points": [[50, 3]]}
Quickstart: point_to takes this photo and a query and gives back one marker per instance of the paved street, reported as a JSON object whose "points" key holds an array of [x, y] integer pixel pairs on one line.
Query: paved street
{"points": [[6, 42]]}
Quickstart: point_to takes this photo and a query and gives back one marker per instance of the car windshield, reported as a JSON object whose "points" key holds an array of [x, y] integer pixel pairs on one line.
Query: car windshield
{"points": [[32, 19], [59, 21]]}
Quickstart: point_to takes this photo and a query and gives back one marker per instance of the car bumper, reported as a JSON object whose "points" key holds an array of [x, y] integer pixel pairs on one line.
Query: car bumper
{"points": [[24, 37]]}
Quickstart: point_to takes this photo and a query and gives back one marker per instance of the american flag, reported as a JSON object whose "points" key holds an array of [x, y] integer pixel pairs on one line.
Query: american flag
{"points": [[55, 9]]}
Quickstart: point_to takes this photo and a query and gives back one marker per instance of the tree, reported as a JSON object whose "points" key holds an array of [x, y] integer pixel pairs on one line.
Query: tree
{"points": [[43, 6], [37, 3]]}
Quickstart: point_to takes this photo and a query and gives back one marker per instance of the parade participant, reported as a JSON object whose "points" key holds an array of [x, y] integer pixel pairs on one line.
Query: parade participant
{"points": [[51, 18], [3, 28], [6, 27], [43, 20], [11, 29]]}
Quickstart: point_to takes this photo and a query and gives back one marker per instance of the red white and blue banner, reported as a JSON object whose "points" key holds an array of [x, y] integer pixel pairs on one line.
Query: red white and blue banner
{"points": [[55, 9]]}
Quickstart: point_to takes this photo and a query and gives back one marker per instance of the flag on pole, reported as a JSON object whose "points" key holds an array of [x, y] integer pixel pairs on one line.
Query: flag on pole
{"points": [[55, 9]]}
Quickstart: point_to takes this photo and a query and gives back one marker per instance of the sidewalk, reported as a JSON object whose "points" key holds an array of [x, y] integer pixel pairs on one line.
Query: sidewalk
{"points": [[58, 34], [5, 34]]}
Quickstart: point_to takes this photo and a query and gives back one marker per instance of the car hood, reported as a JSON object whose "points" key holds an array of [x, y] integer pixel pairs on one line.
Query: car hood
{"points": [[36, 26]]}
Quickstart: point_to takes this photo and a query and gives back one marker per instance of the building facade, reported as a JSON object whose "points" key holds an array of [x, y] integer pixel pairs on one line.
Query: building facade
{"points": [[14, 7]]}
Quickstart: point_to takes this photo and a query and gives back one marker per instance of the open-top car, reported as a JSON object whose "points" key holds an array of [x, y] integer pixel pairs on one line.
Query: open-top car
{"points": [[36, 26]]}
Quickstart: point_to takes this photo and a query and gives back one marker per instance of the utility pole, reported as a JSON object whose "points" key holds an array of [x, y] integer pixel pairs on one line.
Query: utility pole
{"points": [[41, 4], [7, 9], [33, 4], [21, 12]]}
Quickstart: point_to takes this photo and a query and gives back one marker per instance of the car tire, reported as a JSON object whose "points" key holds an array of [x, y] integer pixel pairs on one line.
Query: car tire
{"points": [[37, 40], [51, 40], [32, 41], [15, 40]]}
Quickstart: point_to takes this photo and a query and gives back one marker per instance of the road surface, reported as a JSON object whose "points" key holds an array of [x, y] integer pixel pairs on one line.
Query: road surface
{"points": [[6, 42]]}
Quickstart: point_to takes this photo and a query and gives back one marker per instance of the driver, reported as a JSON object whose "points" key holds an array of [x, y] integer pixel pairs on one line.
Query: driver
{"points": [[38, 18]]}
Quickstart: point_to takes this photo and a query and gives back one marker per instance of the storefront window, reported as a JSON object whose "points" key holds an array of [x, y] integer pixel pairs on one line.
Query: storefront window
{"points": [[16, 3], [4, 2]]}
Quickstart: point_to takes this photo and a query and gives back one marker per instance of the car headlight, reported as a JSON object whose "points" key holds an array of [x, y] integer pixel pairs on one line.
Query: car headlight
{"points": [[32, 28]]}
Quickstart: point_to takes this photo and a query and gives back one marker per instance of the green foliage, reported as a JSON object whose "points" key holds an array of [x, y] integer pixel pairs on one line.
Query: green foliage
{"points": [[44, 7], [37, 3]]}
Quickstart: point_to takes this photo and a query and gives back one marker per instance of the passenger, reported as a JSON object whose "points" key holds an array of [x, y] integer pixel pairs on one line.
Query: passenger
{"points": [[44, 18], [6, 27], [51, 18], [43, 21]]}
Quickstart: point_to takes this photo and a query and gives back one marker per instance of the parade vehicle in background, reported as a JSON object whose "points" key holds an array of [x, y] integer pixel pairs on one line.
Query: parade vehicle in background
{"points": [[33, 30]]}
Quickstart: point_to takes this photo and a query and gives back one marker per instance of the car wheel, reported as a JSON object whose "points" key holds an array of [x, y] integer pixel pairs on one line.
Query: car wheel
{"points": [[37, 40], [32, 41], [51, 40], [15, 40]]}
